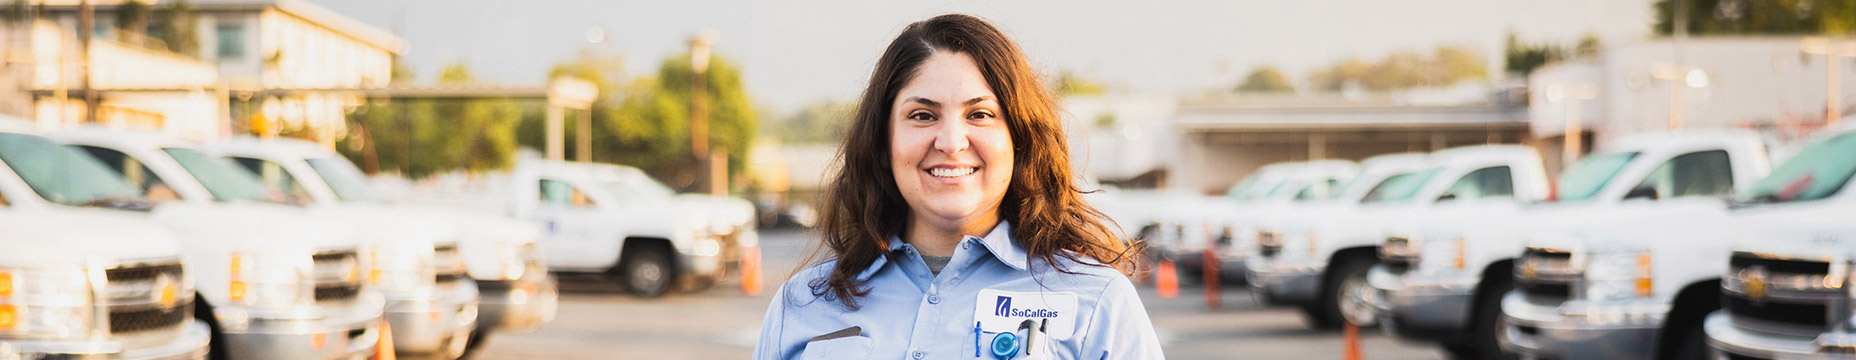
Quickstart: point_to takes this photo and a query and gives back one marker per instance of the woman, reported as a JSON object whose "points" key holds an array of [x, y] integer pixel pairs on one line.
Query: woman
{"points": [[955, 226]]}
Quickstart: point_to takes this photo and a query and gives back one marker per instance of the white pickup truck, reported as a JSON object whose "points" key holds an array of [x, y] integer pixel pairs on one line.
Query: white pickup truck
{"points": [[1322, 257], [86, 282], [418, 259], [1634, 280], [612, 219], [1787, 286], [1444, 277], [252, 298], [1187, 227]]}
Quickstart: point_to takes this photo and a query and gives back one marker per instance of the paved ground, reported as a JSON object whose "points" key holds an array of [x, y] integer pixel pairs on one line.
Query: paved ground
{"points": [[597, 320]]}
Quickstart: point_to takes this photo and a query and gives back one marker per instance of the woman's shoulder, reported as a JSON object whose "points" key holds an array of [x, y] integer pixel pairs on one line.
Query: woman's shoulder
{"points": [[1081, 271]]}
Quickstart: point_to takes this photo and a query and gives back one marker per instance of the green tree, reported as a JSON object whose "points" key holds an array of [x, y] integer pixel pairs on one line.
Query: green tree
{"points": [[645, 122], [178, 25], [1444, 66], [1724, 17], [824, 122], [1069, 83], [1266, 79], [132, 21], [421, 137], [1523, 58]]}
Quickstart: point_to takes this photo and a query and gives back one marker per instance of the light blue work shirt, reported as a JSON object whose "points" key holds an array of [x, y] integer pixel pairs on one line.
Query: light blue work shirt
{"points": [[912, 313]]}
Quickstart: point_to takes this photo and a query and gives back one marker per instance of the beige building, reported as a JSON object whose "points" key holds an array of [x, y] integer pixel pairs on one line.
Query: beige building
{"points": [[259, 64]]}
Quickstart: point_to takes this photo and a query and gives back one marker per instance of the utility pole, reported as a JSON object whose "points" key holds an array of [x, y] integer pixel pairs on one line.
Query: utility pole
{"points": [[1834, 52], [699, 115], [86, 27]]}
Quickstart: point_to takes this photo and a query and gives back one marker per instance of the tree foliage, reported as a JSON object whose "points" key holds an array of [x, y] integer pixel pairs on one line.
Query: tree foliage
{"points": [[1524, 58], [1266, 79], [824, 122], [132, 21], [1069, 83], [645, 122], [1405, 69], [1718, 17], [421, 137], [177, 23]]}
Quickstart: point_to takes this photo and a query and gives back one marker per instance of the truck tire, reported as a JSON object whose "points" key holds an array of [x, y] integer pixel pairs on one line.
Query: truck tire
{"points": [[203, 312], [647, 271], [1483, 337], [1341, 294]]}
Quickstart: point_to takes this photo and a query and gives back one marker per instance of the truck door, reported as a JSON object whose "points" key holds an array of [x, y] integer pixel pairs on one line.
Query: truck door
{"points": [[573, 239]]}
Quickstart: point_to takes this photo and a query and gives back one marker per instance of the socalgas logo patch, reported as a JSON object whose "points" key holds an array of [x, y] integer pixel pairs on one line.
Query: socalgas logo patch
{"points": [[1003, 310]]}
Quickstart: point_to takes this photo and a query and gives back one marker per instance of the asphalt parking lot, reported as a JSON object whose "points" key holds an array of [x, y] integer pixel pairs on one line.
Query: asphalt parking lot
{"points": [[598, 320]]}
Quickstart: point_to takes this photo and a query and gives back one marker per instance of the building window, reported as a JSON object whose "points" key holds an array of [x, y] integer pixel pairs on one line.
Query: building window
{"points": [[231, 41]]}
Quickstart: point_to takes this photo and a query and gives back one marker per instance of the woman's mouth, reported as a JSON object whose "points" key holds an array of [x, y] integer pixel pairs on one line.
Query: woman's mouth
{"points": [[951, 172]]}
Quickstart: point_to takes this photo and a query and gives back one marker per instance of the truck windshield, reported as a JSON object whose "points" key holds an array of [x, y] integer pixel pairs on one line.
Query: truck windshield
{"points": [[1253, 187], [1400, 188], [1817, 172], [1583, 181], [344, 179], [63, 175], [640, 187], [225, 180]]}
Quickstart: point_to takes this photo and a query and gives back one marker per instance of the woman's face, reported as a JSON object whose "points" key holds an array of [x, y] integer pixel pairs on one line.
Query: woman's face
{"points": [[949, 148]]}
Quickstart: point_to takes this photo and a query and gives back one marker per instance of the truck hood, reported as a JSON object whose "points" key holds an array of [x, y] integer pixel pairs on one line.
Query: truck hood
{"points": [[1813, 231], [253, 228], [65, 238], [488, 242], [385, 225], [721, 213]]}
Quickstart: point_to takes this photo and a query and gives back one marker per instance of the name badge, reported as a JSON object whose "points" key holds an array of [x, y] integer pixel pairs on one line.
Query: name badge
{"points": [[1001, 311]]}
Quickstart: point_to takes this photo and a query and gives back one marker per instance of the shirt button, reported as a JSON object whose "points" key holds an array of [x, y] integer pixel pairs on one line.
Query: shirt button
{"points": [[918, 354], [966, 245], [934, 299]]}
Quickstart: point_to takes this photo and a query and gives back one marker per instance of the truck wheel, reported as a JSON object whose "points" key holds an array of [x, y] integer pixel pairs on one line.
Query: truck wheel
{"points": [[647, 271], [1344, 296], [478, 336], [1485, 326], [216, 348]]}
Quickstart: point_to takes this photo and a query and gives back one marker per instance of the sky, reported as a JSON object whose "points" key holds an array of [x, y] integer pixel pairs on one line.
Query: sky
{"points": [[798, 53]]}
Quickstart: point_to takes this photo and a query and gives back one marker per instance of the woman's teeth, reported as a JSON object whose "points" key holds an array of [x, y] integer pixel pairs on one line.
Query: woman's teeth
{"points": [[948, 173]]}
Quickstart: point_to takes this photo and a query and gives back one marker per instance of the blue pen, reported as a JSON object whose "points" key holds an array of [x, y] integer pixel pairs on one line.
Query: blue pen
{"points": [[976, 339]]}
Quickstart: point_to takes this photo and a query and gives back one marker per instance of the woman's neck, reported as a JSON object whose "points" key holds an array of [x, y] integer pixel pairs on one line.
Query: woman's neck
{"points": [[938, 238]]}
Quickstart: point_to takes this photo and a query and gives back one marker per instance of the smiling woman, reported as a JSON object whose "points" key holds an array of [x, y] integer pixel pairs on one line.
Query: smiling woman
{"points": [[956, 204]]}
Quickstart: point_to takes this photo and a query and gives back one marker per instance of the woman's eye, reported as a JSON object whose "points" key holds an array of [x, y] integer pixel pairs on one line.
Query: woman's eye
{"points": [[980, 115], [921, 116]]}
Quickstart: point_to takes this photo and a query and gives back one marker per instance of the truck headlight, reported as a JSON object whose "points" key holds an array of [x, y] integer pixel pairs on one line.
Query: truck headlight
{"points": [[269, 280], [1445, 254], [1618, 275], [708, 246], [511, 259], [397, 268], [37, 303]]}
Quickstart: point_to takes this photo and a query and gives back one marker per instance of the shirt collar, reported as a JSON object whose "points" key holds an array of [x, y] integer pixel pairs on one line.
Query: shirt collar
{"points": [[998, 242]]}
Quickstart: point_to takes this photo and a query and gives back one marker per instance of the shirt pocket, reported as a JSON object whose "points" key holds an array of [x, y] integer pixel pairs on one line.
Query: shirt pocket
{"points": [[849, 347]]}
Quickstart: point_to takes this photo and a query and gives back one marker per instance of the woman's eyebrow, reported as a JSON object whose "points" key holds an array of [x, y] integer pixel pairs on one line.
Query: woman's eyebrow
{"points": [[923, 101], [977, 100]]}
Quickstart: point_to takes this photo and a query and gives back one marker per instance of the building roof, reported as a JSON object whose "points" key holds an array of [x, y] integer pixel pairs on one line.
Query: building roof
{"points": [[1337, 112], [314, 14]]}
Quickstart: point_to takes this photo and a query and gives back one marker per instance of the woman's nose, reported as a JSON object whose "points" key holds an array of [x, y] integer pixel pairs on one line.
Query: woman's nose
{"points": [[951, 138]]}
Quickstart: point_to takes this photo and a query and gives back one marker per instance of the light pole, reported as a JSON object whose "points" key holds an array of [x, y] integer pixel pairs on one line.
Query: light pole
{"points": [[1681, 78], [709, 178], [1833, 51], [1574, 139]]}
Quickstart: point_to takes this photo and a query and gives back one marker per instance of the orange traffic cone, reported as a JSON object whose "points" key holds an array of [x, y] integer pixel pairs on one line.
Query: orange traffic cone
{"points": [[383, 350], [1350, 346], [1168, 283], [750, 271]]}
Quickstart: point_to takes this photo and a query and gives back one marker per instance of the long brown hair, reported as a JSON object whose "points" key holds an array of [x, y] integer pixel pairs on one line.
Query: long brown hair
{"points": [[1049, 217]]}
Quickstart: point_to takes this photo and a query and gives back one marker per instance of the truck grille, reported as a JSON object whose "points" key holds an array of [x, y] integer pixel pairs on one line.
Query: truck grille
{"points": [[337, 275], [146, 296], [1780, 295], [123, 319], [447, 264], [1398, 254], [1269, 243], [1545, 275]]}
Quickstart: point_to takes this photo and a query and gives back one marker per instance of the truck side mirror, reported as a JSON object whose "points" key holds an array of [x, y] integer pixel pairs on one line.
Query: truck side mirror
{"points": [[1642, 193], [1446, 197]]}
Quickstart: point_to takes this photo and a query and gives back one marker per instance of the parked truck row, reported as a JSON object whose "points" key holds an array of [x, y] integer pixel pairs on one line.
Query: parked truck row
{"points": [[142, 246], [1677, 245]]}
